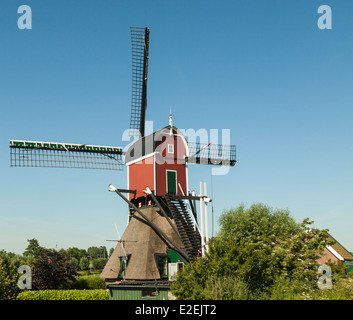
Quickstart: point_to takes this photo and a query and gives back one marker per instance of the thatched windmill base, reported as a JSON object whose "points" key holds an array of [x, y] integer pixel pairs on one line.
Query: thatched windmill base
{"points": [[147, 255]]}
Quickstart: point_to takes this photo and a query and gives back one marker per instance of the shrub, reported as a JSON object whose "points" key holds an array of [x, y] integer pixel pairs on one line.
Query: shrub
{"points": [[91, 282], [64, 295], [290, 289], [342, 289], [96, 283], [225, 288]]}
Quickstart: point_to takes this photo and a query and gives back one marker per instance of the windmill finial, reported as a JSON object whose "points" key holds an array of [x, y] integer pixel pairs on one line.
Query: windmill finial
{"points": [[170, 118]]}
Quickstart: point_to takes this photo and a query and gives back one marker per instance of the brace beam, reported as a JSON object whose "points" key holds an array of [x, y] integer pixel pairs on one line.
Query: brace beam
{"points": [[164, 214], [155, 227]]}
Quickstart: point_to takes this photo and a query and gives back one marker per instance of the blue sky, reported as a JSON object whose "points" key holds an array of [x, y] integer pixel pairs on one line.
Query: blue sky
{"points": [[262, 69]]}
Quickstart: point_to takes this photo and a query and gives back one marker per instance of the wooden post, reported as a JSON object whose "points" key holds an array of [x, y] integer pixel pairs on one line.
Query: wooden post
{"points": [[202, 220], [206, 216]]}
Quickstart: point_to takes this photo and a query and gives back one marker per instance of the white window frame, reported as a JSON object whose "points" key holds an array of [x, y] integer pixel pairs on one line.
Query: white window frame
{"points": [[170, 148]]}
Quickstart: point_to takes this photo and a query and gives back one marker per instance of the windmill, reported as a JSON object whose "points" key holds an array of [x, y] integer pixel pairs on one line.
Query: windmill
{"points": [[157, 191]]}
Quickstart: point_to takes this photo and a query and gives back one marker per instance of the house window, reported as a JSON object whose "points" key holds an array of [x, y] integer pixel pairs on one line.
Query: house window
{"points": [[170, 148]]}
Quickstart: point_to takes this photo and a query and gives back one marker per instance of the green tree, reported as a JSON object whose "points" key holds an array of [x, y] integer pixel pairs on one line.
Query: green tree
{"points": [[257, 221], [255, 247], [97, 252], [249, 264], [75, 262], [33, 248], [76, 253], [103, 253], [99, 263], [93, 252], [84, 263], [9, 264], [8, 277]]}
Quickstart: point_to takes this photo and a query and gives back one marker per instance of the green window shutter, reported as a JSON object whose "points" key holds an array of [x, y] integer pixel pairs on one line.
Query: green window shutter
{"points": [[162, 264], [123, 266]]}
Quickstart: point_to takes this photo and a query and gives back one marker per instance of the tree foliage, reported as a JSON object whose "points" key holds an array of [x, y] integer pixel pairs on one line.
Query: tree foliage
{"points": [[99, 263], [84, 263], [9, 264], [76, 253], [97, 252], [257, 221], [254, 249], [33, 248], [51, 269]]}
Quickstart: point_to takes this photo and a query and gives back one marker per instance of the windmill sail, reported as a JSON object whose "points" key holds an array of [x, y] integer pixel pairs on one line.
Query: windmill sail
{"points": [[140, 48], [64, 155], [213, 154]]}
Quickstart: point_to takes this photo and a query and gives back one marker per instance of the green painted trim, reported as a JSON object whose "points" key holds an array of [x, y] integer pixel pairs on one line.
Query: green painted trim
{"points": [[65, 146], [173, 257]]}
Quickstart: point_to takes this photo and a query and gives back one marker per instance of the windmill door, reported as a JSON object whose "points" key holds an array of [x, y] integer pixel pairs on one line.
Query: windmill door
{"points": [[171, 181]]}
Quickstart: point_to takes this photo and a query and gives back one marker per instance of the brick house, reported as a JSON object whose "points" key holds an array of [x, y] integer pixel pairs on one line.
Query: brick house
{"points": [[336, 253]]}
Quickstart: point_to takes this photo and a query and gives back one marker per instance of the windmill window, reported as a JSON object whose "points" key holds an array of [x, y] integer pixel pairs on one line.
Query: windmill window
{"points": [[123, 265], [162, 265], [180, 266], [149, 293], [170, 148]]}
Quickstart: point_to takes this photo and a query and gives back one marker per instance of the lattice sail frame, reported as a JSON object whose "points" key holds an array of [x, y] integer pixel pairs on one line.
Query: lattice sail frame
{"points": [[140, 55], [213, 154], [64, 155]]}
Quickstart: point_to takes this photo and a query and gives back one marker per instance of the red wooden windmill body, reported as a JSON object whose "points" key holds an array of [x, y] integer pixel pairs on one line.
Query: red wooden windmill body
{"points": [[158, 161]]}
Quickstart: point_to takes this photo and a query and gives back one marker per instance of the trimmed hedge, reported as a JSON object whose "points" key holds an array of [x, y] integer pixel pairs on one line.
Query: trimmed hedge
{"points": [[98, 294]]}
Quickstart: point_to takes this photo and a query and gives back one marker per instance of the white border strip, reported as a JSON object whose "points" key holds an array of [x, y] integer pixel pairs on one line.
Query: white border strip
{"points": [[335, 253]]}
